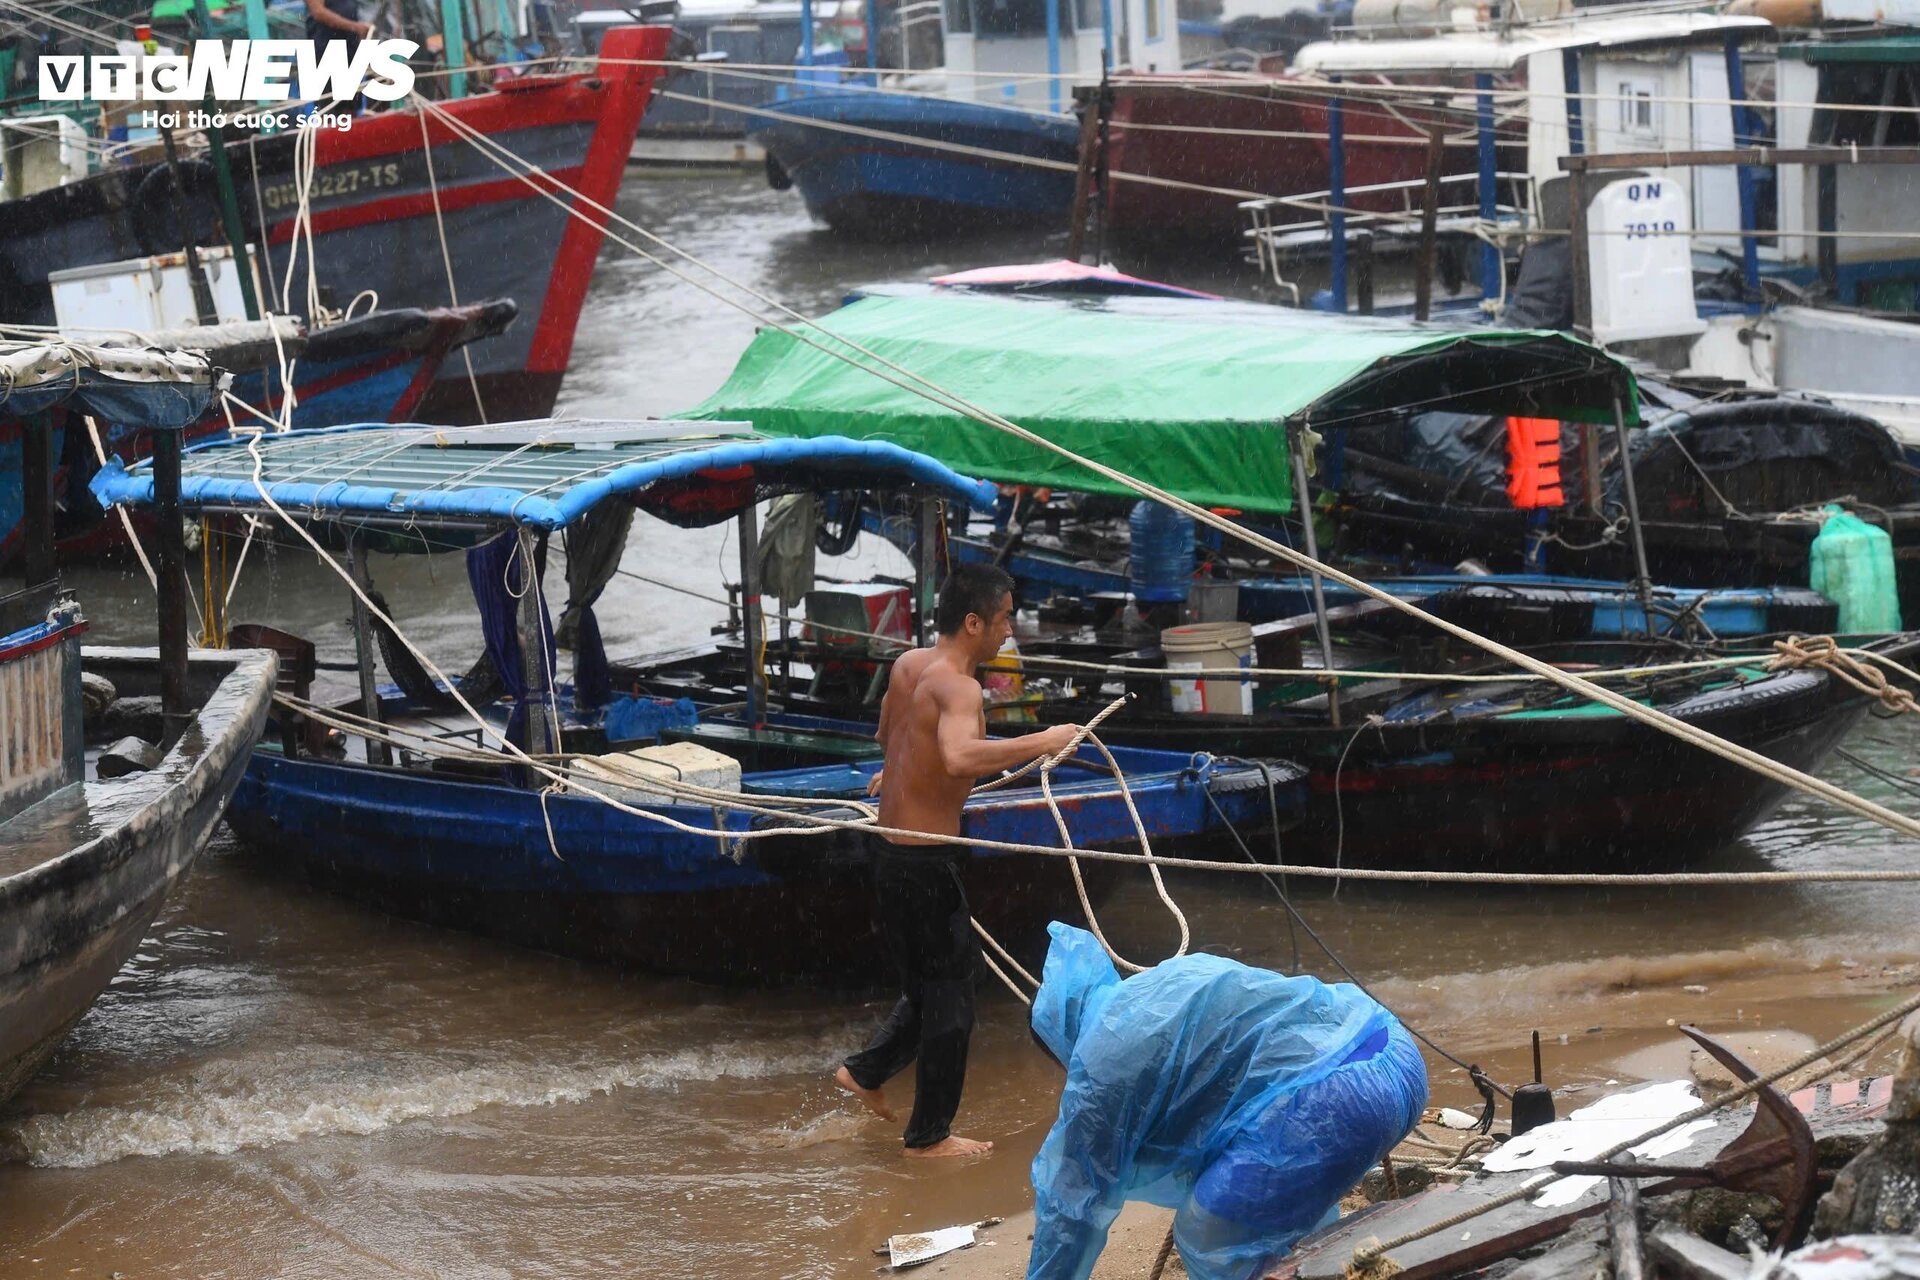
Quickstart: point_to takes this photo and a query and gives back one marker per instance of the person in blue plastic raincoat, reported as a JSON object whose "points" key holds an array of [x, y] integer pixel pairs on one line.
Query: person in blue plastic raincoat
{"points": [[1248, 1101]]}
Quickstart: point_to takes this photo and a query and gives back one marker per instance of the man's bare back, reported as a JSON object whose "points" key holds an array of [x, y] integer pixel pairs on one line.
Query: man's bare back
{"points": [[933, 736]]}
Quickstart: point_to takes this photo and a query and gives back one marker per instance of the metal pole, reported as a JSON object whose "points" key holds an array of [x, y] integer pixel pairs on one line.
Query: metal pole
{"points": [[1492, 268], [873, 40], [223, 171], [806, 33], [377, 751], [1827, 221], [926, 570], [543, 730], [36, 479], [1429, 222], [1576, 124], [1743, 137], [1304, 501], [170, 583], [1053, 55], [1363, 271], [1643, 583], [196, 279], [753, 624], [1337, 197], [1582, 256]]}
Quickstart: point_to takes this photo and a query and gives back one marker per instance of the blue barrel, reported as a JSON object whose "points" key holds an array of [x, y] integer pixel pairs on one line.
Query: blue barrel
{"points": [[1160, 564]]}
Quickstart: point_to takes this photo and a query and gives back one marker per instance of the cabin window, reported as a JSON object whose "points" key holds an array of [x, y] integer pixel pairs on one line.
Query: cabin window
{"points": [[1896, 90], [959, 16], [1088, 17], [1015, 18], [1150, 29], [1639, 117]]}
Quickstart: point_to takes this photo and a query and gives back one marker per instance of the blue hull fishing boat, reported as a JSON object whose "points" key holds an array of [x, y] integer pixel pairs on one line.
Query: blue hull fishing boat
{"points": [[677, 852], [115, 764], [1408, 763], [891, 165]]}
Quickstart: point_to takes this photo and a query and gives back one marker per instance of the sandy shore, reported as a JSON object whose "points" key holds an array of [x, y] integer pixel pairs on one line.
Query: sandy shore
{"points": [[1000, 1252]]}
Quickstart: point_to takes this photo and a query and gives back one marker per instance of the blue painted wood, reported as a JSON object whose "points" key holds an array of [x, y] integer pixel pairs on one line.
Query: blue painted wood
{"points": [[886, 185], [1729, 611], [476, 855]]}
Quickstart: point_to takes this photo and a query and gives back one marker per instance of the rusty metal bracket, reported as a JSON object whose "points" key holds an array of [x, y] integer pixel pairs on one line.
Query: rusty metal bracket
{"points": [[1775, 1155]]}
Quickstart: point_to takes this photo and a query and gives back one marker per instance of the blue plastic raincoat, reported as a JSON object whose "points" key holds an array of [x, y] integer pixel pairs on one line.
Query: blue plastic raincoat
{"points": [[1247, 1101]]}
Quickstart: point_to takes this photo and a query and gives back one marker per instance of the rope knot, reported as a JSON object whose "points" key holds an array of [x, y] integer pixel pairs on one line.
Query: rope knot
{"points": [[1370, 1262], [1797, 653]]}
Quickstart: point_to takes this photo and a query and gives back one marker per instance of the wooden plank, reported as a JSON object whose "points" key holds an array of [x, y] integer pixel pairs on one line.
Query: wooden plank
{"points": [[1740, 156]]}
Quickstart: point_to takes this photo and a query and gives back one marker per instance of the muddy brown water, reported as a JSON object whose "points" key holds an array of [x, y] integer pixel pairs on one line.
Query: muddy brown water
{"points": [[283, 1084]]}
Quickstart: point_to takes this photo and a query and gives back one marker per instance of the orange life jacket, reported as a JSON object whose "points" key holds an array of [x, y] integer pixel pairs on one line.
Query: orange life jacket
{"points": [[1533, 463]]}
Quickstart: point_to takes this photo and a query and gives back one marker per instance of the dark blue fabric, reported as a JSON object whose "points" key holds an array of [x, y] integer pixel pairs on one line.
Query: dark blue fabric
{"points": [[639, 719], [592, 673], [156, 405], [488, 568]]}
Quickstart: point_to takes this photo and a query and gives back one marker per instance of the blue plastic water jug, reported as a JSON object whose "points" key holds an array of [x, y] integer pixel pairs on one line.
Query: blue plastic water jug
{"points": [[1160, 564]]}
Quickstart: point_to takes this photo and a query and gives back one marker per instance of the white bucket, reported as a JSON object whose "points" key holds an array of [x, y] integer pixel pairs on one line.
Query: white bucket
{"points": [[1210, 646]]}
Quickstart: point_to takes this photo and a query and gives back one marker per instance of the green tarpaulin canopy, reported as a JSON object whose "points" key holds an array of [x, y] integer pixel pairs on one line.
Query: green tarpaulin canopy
{"points": [[1191, 396]]}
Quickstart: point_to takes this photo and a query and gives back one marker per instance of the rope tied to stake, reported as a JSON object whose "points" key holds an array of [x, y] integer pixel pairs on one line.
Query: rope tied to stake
{"points": [[1800, 653]]}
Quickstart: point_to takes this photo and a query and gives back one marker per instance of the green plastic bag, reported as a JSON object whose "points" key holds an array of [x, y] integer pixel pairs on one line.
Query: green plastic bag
{"points": [[1851, 564]]}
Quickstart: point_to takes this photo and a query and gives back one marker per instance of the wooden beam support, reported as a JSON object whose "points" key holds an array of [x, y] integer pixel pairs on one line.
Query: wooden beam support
{"points": [[377, 751], [1740, 156]]}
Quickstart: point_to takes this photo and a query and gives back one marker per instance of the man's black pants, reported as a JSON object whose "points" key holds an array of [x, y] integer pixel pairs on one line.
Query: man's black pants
{"points": [[922, 912]]}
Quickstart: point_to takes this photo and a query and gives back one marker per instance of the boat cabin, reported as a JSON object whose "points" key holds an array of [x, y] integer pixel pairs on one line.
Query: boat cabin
{"points": [[1030, 53], [1584, 84]]}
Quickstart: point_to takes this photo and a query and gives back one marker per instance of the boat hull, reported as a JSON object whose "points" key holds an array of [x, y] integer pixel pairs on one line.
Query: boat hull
{"points": [[614, 887], [114, 851], [1238, 137], [1580, 792], [373, 203], [889, 188]]}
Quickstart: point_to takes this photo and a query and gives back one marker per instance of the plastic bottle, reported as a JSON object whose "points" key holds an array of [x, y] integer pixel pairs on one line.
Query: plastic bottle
{"points": [[1851, 564], [1160, 564]]}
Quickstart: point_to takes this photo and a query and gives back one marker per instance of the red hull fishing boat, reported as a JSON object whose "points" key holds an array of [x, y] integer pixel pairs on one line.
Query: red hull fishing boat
{"points": [[1238, 137], [379, 202]]}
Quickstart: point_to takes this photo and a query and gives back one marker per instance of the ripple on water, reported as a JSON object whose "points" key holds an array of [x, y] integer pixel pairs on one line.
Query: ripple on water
{"points": [[267, 1099]]}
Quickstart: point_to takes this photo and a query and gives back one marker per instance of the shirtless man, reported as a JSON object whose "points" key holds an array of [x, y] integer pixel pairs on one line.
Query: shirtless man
{"points": [[933, 733]]}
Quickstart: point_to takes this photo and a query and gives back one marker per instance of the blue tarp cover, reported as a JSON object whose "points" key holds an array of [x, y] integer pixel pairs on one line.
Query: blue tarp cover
{"points": [[1249, 1101]]}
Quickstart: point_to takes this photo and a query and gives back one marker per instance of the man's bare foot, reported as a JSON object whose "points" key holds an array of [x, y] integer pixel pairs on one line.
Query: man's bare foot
{"points": [[952, 1145], [872, 1099]]}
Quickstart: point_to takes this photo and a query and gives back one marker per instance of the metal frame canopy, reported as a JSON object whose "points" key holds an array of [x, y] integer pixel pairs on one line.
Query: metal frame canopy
{"points": [[1191, 396], [541, 475]]}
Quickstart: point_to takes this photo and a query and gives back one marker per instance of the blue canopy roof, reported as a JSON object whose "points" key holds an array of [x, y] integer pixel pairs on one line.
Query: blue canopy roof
{"points": [[543, 474]]}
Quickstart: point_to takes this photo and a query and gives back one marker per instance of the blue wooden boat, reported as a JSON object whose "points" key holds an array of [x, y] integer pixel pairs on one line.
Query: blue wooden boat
{"points": [[890, 187], [89, 852], [470, 838]]}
